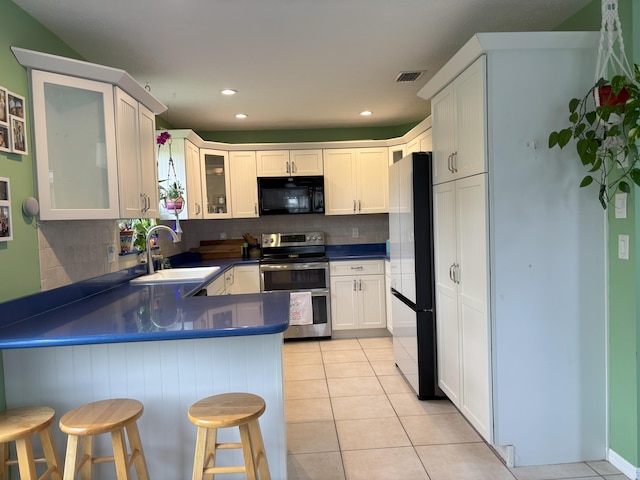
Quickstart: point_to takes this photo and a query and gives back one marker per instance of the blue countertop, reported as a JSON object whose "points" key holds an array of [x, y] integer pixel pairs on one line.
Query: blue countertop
{"points": [[108, 309]]}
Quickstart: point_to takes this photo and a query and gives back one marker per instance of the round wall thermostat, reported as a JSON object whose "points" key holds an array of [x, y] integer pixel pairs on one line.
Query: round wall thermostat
{"points": [[30, 207]]}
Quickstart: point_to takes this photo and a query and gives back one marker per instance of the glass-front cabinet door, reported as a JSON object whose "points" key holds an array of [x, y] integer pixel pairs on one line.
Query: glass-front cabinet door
{"points": [[215, 183], [75, 147]]}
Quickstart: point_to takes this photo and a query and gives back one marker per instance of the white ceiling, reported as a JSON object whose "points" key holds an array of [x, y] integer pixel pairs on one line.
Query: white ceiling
{"points": [[296, 64]]}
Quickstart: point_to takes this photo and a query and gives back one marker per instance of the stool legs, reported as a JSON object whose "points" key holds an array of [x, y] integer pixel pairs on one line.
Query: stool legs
{"points": [[247, 451], [26, 463], [137, 453], [257, 445]]}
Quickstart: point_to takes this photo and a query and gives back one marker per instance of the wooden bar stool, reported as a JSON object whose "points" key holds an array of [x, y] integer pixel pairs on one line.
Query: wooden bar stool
{"points": [[19, 425], [112, 416], [229, 410]]}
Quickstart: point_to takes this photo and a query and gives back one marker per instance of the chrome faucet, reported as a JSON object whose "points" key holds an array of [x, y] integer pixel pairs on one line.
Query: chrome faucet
{"points": [[150, 232]]}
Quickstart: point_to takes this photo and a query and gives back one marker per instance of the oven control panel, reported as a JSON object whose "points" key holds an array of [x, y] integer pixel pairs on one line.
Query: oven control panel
{"points": [[270, 240]]}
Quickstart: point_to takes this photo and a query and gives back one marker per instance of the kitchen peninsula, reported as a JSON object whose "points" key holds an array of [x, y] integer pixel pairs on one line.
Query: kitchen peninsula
{"points": [[160, 344]]}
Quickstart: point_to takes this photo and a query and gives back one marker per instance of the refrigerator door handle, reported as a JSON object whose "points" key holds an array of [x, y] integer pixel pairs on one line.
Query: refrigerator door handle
{"points": [[454, 157], [456, 273], [449, 163], [451, 272]]}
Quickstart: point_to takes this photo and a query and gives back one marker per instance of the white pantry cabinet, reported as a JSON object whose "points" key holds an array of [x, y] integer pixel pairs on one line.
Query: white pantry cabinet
{"points": [[244, 187], [282, 163], [520, 251], [357, 294], [459, 125], [186, 163], [137, 165], [462, 323], [356, 181]]}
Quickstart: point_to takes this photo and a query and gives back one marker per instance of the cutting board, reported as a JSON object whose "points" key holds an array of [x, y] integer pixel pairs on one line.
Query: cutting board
{"points": [[212, 249]]}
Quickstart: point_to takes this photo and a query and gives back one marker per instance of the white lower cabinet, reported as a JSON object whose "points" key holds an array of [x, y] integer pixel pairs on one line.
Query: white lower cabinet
{"points": [[217, 287], [246, 279], [358, 295]]}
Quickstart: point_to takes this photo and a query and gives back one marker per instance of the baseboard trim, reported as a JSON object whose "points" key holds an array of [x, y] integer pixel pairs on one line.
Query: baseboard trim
{"points": [[625, 467]]}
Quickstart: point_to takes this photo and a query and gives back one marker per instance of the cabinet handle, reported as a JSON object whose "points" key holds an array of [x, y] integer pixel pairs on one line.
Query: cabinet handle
{"points": [[354, 285], [293, 167], [255, 208], [288, 167], [454, 157], [148, 201], [359, 267], [359, 205], [449, 163], [457, 273], [360, 284], [354, 206], [197, 209], [451, 268]]}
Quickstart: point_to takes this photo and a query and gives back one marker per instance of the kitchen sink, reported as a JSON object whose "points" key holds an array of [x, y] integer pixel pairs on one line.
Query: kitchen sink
{"points": [[177, 275]]}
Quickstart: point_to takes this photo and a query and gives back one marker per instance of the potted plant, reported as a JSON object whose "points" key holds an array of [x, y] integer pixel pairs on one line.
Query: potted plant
{"points": [[171, 195], [133, 234], [605, 125]]}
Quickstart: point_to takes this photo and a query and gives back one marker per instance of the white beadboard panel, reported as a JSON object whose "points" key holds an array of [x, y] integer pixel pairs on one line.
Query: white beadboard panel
{"points": [[167, 377]]}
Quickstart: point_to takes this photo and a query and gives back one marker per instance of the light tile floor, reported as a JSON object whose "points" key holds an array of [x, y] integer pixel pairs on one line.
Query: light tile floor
{"points": [[351, 415]]}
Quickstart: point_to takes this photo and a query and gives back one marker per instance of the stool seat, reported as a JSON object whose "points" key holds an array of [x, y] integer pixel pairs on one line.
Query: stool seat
{"points": [[114, 416], [223, 411], [102, 416], [18, 425]]}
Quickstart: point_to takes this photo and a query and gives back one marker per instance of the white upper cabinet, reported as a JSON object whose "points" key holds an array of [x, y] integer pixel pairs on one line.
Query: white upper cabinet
{"points": [[75, 147], [356, 181], [282, 163], [216, 183], [88, 139], [459, 126], [137, 166], [244, 187]]}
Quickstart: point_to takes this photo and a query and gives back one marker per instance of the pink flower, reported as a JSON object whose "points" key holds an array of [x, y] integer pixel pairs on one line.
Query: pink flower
{"points": [[163, 137]]}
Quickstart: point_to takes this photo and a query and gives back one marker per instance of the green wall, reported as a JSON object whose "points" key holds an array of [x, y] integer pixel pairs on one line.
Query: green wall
{"points": [[309, 135], [19, 258], [624, 288]]}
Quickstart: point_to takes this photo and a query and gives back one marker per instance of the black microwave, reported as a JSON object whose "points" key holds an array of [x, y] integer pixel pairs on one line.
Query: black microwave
{"points": [[285, 195]]}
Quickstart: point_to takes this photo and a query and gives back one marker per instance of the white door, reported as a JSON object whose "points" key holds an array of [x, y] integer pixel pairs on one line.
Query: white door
{"points": [[447, 327], [344, 309], [372, 180], [131, 199], [194, 180], [470, 114], [148, 161], [339, 182], [306, 162], [472, 301], [244, 185], [443, 112], [372, 301]]}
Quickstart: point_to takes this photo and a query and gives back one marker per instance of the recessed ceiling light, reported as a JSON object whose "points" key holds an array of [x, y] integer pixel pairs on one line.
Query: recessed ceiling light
{"points": [[242, 115], [228, 91], [366, 113]]}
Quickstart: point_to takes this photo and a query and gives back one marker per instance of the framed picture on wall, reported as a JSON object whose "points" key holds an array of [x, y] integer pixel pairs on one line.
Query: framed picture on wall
{"points": [[18, 136], [6, 227], [4, 106], [16, 105], [5, 139]]}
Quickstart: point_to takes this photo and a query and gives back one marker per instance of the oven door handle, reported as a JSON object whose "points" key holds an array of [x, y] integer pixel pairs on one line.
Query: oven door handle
{"points": [[293, 266]]}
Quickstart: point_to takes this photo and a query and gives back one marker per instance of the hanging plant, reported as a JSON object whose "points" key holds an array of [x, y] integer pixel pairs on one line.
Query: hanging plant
{"points": [[172, 192], [606, 134], [605, 122]]}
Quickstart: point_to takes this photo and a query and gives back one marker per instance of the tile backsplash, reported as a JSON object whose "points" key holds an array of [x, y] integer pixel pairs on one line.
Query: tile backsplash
{"points": [[75, 250]]}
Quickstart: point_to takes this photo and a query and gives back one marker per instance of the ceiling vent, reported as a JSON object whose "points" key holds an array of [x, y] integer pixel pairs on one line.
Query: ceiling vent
{"points": [[409, 76]]}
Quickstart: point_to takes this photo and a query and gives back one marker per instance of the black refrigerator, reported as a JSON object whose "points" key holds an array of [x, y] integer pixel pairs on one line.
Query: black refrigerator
{"points": [[412, 273]]}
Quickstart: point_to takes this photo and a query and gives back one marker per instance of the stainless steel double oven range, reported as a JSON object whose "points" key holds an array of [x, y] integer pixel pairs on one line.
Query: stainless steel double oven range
{"points": [[297, 262]]}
